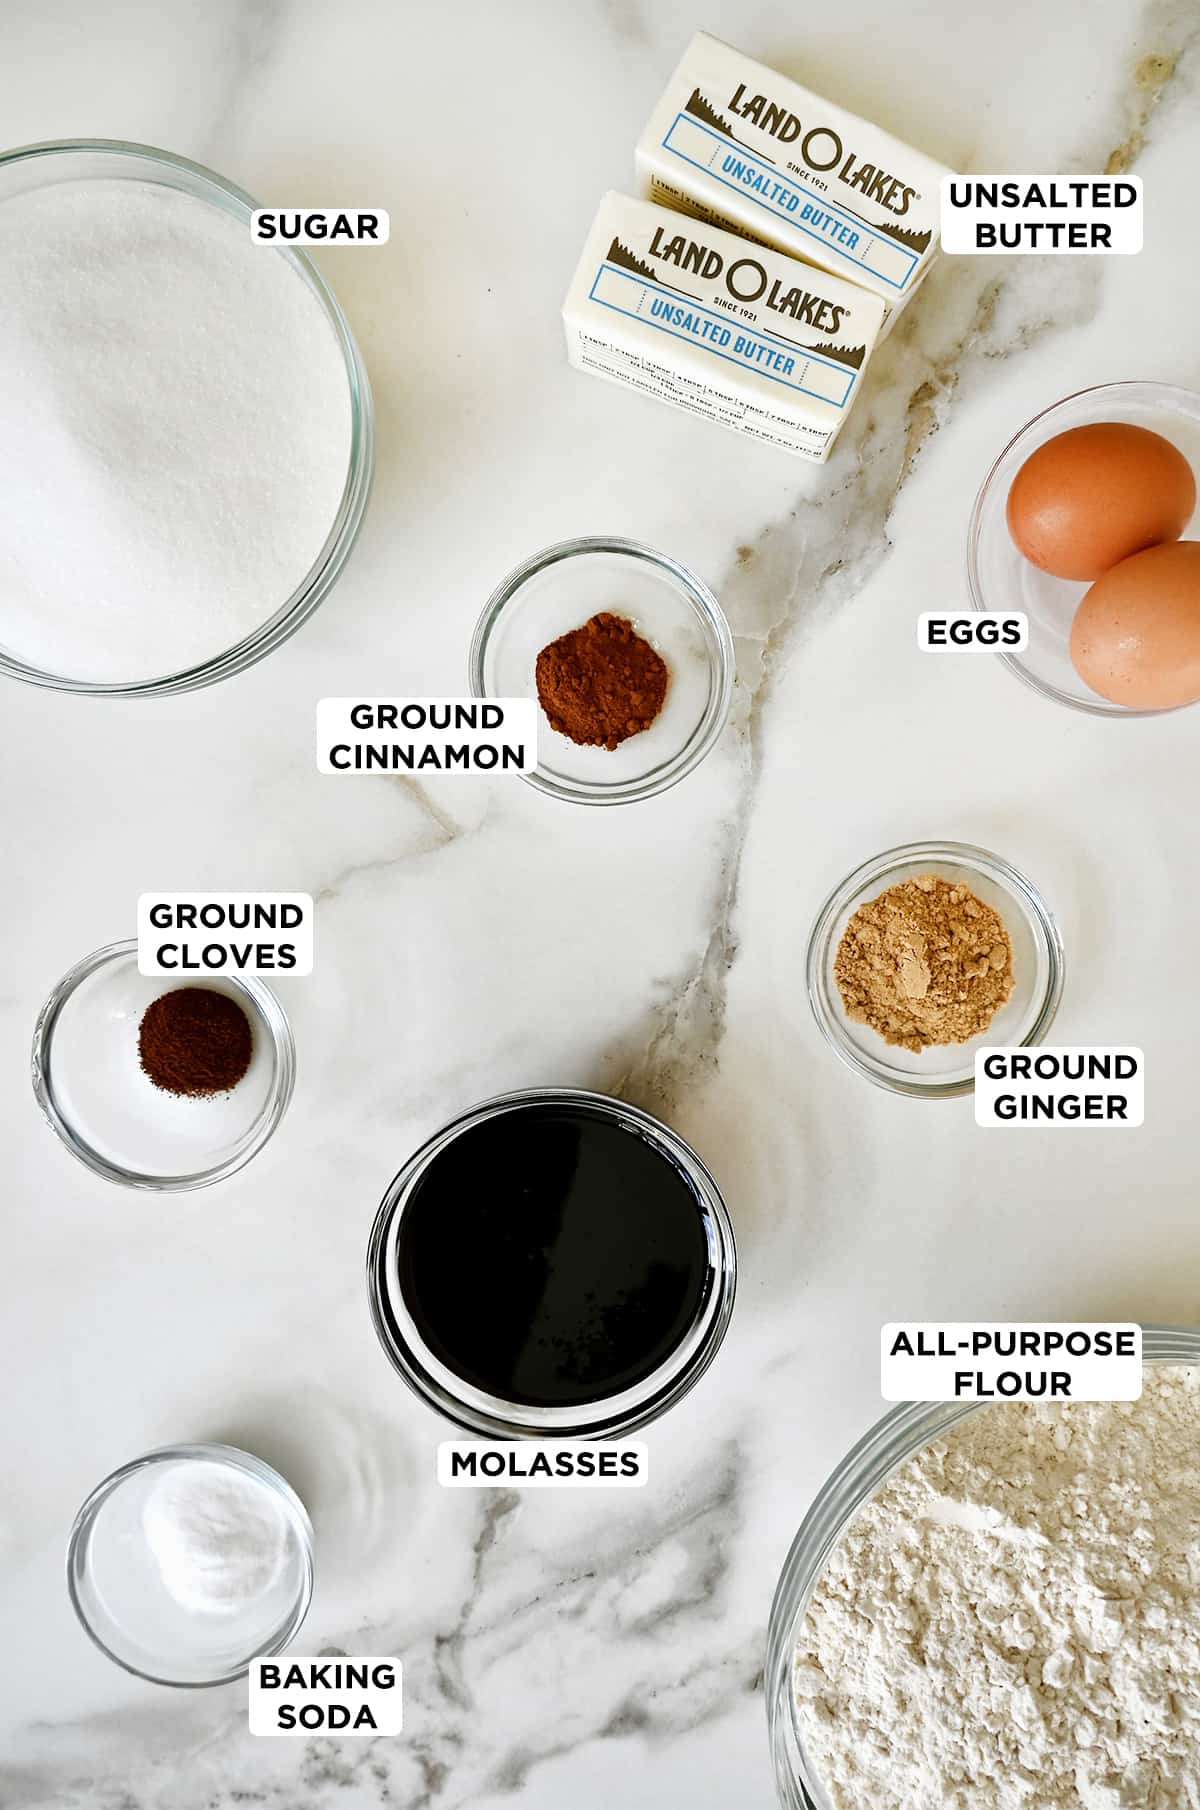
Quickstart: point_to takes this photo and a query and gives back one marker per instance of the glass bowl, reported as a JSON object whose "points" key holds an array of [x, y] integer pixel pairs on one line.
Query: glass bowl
{"points": [[92, 1091], [118, 1593], [891, 1443], [610, 1416], [559, 590], [71, 160], [1001, 578], [943, 1069]]}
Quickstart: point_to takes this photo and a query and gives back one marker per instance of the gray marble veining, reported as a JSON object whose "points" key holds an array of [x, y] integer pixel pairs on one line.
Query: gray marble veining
{"points": [[574, 1648]]}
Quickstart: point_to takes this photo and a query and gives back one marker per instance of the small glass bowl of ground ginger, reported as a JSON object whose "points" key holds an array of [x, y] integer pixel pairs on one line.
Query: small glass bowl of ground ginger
{"points": [[159, 1083], [926, 954], [628, 656]]}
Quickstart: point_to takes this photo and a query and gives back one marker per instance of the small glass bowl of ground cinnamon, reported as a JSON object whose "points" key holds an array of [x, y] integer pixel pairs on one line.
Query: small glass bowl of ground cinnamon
{"points": [[628, 656], [157, 1083], [926, 954]]}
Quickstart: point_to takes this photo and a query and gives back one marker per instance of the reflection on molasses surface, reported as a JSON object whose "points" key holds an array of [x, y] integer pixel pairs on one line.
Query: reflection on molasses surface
{"points": [[549, 1256]]}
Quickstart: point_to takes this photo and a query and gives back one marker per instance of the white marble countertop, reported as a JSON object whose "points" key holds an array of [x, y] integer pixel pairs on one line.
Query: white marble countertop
{"points": [[579, 1648]]}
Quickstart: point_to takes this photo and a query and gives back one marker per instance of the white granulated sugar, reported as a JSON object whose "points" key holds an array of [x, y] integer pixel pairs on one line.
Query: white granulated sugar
{"points": [[1013, 1621], [175, 429]]}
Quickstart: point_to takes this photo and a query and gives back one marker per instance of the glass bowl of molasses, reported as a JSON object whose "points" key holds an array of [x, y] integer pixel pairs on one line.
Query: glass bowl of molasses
{"points": [[563, 589], [552, 1263]]}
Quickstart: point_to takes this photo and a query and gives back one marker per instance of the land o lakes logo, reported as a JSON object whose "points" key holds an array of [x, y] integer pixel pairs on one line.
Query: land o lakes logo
{"points": [[822, 150], [746, 280]]}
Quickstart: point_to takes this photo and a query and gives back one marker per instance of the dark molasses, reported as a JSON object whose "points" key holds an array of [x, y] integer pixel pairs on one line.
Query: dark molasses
{"points": [[552, 1255]]}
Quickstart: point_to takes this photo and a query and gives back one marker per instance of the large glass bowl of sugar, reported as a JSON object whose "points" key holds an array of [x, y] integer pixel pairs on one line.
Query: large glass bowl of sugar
{"points": [[189, 422]]}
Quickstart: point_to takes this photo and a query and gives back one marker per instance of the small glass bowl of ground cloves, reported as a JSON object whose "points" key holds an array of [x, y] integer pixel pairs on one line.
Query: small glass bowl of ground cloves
{"points": [[157, 1083], [927, 953], [628, 656]]}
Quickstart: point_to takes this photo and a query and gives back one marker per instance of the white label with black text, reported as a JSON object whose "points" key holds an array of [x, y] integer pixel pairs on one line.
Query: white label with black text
{"points": [[284, 226], [541, 1464], [322, 1696], [1084, 1086], [427, 735], [188, 935], [972, 631], [1000, 215], [1006, 1361]]}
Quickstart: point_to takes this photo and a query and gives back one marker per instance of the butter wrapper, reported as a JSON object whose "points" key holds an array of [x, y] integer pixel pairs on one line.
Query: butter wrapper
{"points": [[734, 143], [703, 319]]}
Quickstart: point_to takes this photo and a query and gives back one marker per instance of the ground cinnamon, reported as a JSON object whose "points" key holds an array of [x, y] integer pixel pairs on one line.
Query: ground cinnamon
{"points": [[601, 683], [195, 1041]]}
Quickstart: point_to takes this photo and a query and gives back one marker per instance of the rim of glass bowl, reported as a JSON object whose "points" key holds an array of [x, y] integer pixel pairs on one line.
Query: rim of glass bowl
{"points": [[718, 639], [297, 1516], [890, 1443], [266, 1011], [488, 1415], [207, 185], [1120, 391], [820, 986]]}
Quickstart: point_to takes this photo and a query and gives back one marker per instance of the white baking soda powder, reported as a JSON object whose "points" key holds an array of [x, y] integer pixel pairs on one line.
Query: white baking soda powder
{"points": [[175, 430], [219, 1538]]}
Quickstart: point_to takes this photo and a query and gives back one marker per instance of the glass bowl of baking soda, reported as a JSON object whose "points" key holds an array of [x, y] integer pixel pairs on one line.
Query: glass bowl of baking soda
{"points": [[667, 618], [92, 1082], [188, 1563]]}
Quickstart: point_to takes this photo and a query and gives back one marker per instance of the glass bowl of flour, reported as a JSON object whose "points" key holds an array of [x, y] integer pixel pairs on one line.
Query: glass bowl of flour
{"points": [[189, 419], [979, 1593]]}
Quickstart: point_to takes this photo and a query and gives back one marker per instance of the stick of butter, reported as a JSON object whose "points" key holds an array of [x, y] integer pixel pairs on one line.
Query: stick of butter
{"points": [[732, 142], [704, 319]]}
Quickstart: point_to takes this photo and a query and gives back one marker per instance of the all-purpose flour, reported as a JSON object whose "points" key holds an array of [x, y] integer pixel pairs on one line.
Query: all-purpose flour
{"points": [[1013, 1622], [175, 430]]}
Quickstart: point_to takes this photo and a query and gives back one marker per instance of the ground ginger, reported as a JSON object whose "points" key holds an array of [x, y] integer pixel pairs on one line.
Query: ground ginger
{"points": [[924, 963]]}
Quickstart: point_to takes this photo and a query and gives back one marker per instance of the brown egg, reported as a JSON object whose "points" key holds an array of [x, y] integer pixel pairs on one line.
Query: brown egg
{"points": [[1095, 495], [1136, 634]]}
